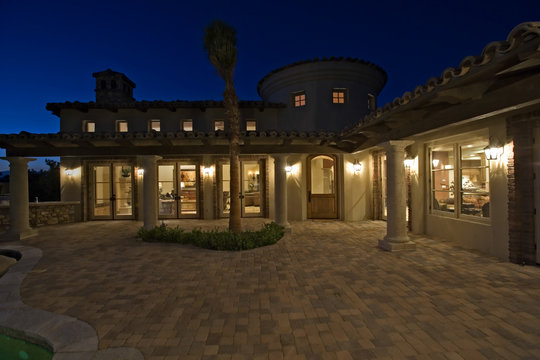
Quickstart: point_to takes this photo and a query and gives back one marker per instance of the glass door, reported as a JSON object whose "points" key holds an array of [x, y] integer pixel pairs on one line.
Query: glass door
{"points": [[112, 191], [178, 190], [251, 189]]}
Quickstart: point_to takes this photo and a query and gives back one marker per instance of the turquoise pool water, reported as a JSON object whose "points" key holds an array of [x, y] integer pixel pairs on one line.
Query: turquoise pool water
{"points": [[15, 349]]}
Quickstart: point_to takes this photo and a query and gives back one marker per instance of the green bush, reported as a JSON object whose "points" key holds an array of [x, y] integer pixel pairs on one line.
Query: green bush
{"points": [[214, 239]]}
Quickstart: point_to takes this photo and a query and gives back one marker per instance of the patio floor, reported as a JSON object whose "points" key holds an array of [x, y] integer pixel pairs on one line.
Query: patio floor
{"points": [[325, 291]]}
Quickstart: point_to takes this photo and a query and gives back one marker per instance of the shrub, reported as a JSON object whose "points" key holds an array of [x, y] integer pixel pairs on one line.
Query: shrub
{"points": [[214, 239]]}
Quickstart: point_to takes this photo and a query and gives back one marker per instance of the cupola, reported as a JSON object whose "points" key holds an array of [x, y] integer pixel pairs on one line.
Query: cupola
{"points": [[113, 87]]}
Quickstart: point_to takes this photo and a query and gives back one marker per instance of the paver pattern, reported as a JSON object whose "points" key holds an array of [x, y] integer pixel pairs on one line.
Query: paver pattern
{"points": [[325, 291]]}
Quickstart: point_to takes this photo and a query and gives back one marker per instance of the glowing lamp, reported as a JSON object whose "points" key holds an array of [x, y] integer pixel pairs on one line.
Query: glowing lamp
{"points": [[140, 172], [357, 167]]}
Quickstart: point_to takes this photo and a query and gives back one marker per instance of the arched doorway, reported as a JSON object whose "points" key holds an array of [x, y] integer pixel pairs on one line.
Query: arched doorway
{"points": [[321, 187]]}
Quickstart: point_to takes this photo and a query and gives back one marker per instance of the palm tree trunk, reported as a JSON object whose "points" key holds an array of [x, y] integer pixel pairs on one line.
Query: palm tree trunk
{"points": [[231, 109]]}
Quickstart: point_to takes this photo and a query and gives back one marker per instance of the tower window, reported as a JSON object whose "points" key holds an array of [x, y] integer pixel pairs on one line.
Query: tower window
{"points": [[219, 125], [89, 126], [339, 96], [121, 126], [299, 99], [103, 84], [251, 125], [113, 84], [187, 125], [155, 125]]}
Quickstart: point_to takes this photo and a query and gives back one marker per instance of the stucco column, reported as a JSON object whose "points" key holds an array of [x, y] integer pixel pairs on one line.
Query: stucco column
{"points": [[280, 189], [19, 213], [150, 191], [396, 226]]}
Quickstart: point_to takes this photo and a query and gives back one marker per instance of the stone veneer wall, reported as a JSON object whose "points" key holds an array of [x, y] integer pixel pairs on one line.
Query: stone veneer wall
{"points": [[46, 213], [521, 205]]}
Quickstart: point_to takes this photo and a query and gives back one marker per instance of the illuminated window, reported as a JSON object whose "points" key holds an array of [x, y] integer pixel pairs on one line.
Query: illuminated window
{"points": [[299, 99], [187, 125], [89, 126], [371, 102], [460, 179], [251, 125], [219, 125], [155, 125], [121, 126], [339, 96]]}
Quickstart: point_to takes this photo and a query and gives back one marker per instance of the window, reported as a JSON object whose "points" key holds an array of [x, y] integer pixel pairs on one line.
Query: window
{"points": [[371, 102], [187, 125], [121, 126], [339, 96], [460, 178], [155, 125], [89, 126], [299, 99], [219, 125], [251, 125]]}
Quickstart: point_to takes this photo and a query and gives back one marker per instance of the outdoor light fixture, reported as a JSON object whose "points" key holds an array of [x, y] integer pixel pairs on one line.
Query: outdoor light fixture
{"points": [[435, 162], [357, 167], [409, 162], [140, 172], [494, 150], [208, 171], [288, 169], [68, 172]]}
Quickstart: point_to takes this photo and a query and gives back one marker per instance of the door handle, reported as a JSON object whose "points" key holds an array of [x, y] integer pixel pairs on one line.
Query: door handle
{"points": [[309, 196], [113, 197]]}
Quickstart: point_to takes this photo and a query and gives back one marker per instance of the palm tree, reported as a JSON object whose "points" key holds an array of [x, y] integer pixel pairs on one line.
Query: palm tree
{"points": [[220, 44]]}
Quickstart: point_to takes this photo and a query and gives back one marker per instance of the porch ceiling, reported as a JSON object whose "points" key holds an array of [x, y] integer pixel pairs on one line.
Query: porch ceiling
{"points": [[157, 143]]}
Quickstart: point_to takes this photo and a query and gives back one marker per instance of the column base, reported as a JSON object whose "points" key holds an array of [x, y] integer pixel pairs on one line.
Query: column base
{"points": [[17, 236], [397, 246]]}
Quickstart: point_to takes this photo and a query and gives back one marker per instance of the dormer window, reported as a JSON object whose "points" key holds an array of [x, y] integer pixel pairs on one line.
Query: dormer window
{"points": [[299, 99], [187, 125], [339, 96], [155, 125], [121, 126], [251, 125], [89, 126]]}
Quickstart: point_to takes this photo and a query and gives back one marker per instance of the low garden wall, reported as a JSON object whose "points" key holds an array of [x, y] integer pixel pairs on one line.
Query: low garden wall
{"points": [[46, 213]]}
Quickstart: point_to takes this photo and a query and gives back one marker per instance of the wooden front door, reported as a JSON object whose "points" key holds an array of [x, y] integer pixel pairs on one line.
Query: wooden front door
{"points": [[321, 187]]}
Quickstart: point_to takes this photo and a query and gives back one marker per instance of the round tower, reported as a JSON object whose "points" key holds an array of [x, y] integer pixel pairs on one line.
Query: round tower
{"points": [[326, 94]]}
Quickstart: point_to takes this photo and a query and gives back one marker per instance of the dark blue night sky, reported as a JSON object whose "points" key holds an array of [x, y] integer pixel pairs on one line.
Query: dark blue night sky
{"points": [[49, 49]]}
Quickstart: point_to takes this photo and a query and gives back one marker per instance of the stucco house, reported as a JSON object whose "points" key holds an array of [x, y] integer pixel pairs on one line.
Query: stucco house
{"points": [[453, 159]]}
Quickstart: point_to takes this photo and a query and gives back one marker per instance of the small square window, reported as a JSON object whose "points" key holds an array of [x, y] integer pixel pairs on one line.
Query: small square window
{"points": [[155, 125], [219, 125], [299, 99], [89, 126], [251, 125], [187, 125], [121, 126], [339, 96]]}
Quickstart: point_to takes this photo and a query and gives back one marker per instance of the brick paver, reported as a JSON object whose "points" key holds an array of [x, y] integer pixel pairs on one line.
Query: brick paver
{"points": [[325, 291]]}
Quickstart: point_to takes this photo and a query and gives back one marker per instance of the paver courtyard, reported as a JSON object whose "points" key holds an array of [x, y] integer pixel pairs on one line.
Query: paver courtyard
{"points": [[325, 291]]}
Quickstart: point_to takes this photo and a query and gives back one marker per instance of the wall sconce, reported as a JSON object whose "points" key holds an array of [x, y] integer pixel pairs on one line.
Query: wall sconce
{"points": [[494, 150], [68, 172], [357, 167], [409, 162], [208, 171], [140, 172], [435, 162], [288, 169]]}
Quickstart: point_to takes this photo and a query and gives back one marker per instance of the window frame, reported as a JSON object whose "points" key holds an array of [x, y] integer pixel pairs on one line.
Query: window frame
{"points": [[85, 126], [458, 191], [302, 103], [152, 122], [252, 122], [215, 125], [185, 122], [118, 125], [338, 91]]}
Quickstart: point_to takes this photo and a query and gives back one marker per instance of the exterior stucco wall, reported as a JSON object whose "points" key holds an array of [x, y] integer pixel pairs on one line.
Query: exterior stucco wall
{"points": [[357, 192], [297, 188]]}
